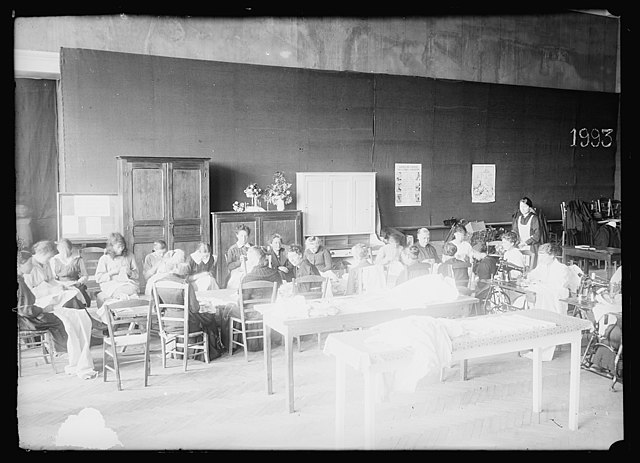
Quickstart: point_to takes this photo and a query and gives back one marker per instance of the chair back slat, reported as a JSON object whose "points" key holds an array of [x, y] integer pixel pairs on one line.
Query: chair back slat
{"points": [[302, 286]]}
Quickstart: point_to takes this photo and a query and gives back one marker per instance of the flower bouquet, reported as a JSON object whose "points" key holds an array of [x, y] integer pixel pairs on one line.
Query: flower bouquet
{"points": [[279, 192], [253, 192]]}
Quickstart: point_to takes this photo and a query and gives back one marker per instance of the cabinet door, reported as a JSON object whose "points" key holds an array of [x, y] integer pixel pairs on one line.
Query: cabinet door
{"points": [[144, 199], [313, 200], [364, 196], [188, 204], [340, 204]]}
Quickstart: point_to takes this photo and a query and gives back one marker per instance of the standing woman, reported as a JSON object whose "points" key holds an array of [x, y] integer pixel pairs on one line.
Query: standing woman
{"points": [[526, 224], [117, 271], [237, 256]]}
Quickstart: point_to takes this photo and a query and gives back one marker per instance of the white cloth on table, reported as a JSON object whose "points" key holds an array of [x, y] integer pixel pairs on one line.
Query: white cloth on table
{"points": [[430, 340]]}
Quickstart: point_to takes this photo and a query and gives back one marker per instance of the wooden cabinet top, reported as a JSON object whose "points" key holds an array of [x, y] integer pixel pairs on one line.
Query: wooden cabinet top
{"points": [[160, 158]]}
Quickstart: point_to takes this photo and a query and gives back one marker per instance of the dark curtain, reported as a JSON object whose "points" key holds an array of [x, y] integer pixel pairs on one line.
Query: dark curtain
{"points": [[36, 159]]}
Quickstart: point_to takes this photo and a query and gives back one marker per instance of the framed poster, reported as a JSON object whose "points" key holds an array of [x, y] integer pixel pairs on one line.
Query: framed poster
{"points": [[88, 217], [408, 190], [483, 183]]}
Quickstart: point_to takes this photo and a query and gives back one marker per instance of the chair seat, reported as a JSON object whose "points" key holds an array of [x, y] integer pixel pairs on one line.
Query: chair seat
{"points": [[127, 340]]}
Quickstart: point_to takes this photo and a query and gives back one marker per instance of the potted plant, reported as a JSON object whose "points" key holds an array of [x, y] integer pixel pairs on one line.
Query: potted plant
{"points": [[279, 192]]}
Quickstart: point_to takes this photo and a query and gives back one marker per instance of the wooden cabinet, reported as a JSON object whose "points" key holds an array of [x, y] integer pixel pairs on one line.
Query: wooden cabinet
{"points": [[262, 225], [163, 198], [337, 203]]}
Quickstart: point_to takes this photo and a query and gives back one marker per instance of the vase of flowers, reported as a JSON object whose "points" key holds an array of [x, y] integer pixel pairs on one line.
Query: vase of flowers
{"points": [[279, 192], [253, 192]]}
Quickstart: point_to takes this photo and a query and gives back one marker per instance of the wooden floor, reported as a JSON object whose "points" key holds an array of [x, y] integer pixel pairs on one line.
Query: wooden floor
{"points": [[224, 405]]}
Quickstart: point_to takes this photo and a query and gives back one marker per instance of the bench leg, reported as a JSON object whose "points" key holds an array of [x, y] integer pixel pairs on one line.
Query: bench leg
{"points": [[537, 380], [369, 410], [574, 383], [341, 385]]}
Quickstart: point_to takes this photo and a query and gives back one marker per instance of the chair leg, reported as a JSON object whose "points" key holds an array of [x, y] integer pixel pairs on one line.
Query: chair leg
{"points": [[319, 340], [19, 358], [205, 337], [230, 337], [163, 347], [43, 345], [104, 361], [244, 342], [116, 365]]}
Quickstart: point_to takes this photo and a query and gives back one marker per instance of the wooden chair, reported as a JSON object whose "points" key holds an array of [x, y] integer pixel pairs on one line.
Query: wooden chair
{"points": [[310, 287], [372, 279], [90, 256], [128, 325], [29, 340], [244, 326], [174, 328]]}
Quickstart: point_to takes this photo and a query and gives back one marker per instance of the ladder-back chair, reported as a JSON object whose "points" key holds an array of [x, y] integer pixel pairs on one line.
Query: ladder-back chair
{"points": [[247, 325], [128, 325], [310, 287], [173, 324]]}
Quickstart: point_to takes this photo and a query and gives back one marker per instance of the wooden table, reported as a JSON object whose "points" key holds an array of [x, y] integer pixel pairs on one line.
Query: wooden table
{"points": [[600, 253], [352, 349], [355, 312]]}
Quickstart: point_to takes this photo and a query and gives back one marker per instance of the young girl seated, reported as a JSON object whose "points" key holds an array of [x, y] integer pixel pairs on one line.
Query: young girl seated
{"points": [[117, 271], [202, 268], [70, 269]]}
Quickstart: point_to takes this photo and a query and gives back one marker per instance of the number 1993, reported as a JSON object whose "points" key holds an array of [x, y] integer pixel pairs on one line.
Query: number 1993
{"points": [[593, 137]]}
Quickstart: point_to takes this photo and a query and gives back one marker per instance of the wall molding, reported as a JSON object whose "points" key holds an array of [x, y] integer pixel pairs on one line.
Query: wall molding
{"points": [[36, 64]]}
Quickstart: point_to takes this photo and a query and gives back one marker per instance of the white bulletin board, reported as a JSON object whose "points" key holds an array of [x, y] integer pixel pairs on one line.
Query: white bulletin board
{"points": [[88, 217]]}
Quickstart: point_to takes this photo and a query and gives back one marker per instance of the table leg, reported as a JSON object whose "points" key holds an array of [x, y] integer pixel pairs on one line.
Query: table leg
{"points": [[574, 383], [537, 380], [288, 353], [369, 409], [463, 370], [267, 358], [341, 386]]}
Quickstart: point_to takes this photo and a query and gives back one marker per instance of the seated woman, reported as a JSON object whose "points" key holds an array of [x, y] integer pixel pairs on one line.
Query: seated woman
{"points": [[257, 270], [154, 260], [202, 268], [413, 266], [465, 251], [177, 270], [426, 250], [551, 280], [360, 254], [390, 252], [513, 260], [453, 266], [70, 269], [237, 256], [319, 256], [301, 266], [278, 258], [117, 271], [30, 316], [67, 303]]}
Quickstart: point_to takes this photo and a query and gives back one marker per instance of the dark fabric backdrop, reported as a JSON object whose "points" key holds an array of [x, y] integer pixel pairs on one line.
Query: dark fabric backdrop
{"points": [[253, 120], [36, 154]]}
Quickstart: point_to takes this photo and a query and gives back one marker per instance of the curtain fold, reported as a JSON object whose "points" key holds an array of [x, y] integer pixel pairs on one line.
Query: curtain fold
{"points": [[36, 160]]}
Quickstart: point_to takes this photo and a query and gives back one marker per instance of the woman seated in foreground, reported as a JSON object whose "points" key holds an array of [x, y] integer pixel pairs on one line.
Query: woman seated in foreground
{"points": [[413, 266], [70, 269], [67, 303], [454, 267], [117, 271], [177, 270]]}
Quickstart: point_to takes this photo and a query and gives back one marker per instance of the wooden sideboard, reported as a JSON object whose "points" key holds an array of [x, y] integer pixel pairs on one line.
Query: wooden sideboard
{"points": [[262, 225]]}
